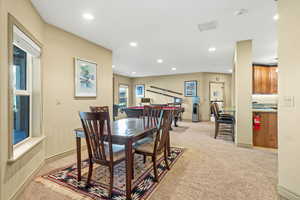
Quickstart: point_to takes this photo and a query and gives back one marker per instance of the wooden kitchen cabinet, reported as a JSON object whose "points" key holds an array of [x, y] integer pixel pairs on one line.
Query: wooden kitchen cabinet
{"points": [[265, 80], [267, 135]]}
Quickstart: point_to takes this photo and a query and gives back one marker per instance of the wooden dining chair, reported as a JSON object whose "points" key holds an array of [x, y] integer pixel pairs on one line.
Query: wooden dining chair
{"points": [[159, 145], [221, 123], [99, 143], [99, 109], [216, 106]]}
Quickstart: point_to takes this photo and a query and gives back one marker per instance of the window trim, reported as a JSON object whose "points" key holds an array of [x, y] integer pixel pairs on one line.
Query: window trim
{"points": [[12, 21]]}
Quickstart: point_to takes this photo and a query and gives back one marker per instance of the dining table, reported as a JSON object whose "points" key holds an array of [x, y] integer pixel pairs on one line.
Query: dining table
{"points": [[124, 132]]}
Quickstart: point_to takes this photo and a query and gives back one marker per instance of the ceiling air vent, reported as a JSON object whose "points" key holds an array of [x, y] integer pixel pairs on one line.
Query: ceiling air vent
{"points": [[208, 26]]}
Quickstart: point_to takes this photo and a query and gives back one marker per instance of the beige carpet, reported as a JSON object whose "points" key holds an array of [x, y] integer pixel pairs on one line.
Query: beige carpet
{"points": [[209, 170]]}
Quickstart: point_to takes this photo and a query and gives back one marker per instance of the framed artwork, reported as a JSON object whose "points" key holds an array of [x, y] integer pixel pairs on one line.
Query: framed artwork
{"points": [[190, 88], [85, 78], [140, 91]]}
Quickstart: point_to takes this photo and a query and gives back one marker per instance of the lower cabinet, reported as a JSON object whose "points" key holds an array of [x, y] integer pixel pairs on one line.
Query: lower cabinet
{"points": [[267, 134]]}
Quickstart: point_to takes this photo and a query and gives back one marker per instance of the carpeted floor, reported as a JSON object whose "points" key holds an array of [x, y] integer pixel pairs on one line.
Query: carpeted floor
{"points": [[208, 170]]}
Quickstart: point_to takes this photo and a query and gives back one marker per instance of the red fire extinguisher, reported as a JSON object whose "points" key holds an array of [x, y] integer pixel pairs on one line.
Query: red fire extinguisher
{"points": [[256, 122]]}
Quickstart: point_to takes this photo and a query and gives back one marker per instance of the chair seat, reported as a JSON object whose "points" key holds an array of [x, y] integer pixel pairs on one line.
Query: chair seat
{"points": [[146, 147], [143, 141], [118, 152]]}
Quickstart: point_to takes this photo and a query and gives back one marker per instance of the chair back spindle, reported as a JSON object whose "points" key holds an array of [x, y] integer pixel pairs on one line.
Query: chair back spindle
{"points": [[151, 115]]}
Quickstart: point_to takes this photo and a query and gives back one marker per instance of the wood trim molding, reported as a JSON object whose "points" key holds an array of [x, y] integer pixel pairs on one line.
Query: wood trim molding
{"points": [[287, 194]]}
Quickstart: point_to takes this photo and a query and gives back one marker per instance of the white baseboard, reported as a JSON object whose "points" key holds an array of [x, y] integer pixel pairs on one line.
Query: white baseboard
{"points": [[64, 154], [249, 146], [287, 194], [36, 171], [22, 187]]}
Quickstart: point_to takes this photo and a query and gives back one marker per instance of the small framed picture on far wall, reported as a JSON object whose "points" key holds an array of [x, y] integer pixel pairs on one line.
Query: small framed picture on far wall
{"points": [[140, 91], [190, 88]]}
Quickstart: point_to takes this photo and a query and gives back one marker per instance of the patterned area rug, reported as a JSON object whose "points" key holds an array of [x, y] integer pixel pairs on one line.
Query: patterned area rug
{"points": [[64, 180]]}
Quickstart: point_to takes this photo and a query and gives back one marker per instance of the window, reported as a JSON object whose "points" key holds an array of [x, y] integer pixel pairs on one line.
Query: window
{"points": [[25, 76], [123, 96], [22, 94]]}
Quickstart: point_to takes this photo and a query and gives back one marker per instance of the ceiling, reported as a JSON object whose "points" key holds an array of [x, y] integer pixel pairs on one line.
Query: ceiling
{"points": [[168, 30]]}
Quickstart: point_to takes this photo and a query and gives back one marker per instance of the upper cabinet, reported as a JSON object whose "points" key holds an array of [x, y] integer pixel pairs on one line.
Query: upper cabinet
{"points": [[265, 80]]}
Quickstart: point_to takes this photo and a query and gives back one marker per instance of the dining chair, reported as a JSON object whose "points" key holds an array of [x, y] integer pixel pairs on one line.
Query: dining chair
{"points": [[99, 108], [159, 145], [216, 105], [221, 121], [98, 137]]}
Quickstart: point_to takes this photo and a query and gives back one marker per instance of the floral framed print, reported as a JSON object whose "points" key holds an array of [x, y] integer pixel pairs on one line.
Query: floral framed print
{"points": [[190, 88], [85, 78], [140, 91]]}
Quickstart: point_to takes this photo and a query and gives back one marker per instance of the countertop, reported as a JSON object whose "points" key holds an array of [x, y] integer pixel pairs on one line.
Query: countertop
{"points": [[265, 110], [232, 110]]}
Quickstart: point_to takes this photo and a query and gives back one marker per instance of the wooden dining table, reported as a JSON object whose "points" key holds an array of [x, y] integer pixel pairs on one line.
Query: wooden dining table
{"points": [[124, 132]]}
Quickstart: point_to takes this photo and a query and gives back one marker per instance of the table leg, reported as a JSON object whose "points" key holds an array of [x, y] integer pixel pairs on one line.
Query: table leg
{"points": [[78, 146], [128, 150], [168, 145], [175, 121]]}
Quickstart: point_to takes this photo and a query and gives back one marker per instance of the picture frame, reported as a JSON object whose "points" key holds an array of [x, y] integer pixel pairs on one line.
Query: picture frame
{"points": [[140, 91], [190, 88], [85, 78]]}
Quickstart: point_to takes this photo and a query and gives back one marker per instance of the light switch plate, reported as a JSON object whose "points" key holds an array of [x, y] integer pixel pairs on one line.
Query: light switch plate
{"points": [[288, 101]]}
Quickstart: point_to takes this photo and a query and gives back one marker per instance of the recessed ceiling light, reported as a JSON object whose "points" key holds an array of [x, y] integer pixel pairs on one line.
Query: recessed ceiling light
{"points": [[276, 17], [113, 66], [174, 68], [88, 16], [160, 60], [212, 49], [230, 70], [133, 44], [241, 12], [133, 72]]}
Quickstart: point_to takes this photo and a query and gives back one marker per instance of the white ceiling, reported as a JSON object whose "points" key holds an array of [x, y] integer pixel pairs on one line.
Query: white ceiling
{"points": [[167, 29]]}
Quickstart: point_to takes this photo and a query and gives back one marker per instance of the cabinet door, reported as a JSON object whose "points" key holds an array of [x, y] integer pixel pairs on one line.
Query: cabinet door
{"points": [[257, 80], [273, 80], [271, 137], [265, 80]]}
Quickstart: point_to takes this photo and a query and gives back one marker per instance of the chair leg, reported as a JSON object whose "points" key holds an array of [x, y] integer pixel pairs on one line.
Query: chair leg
{"points": [[166, 159], [155, 169], [233, 133], [111, 184], [132, 170], [216, 129], [90, 172], [145, 159]]}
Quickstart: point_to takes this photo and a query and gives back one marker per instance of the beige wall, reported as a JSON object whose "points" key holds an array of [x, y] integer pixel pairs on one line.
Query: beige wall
{"points": [[176, 83], [60, 107], [14, 175], [243, 93], [289, 115]]}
